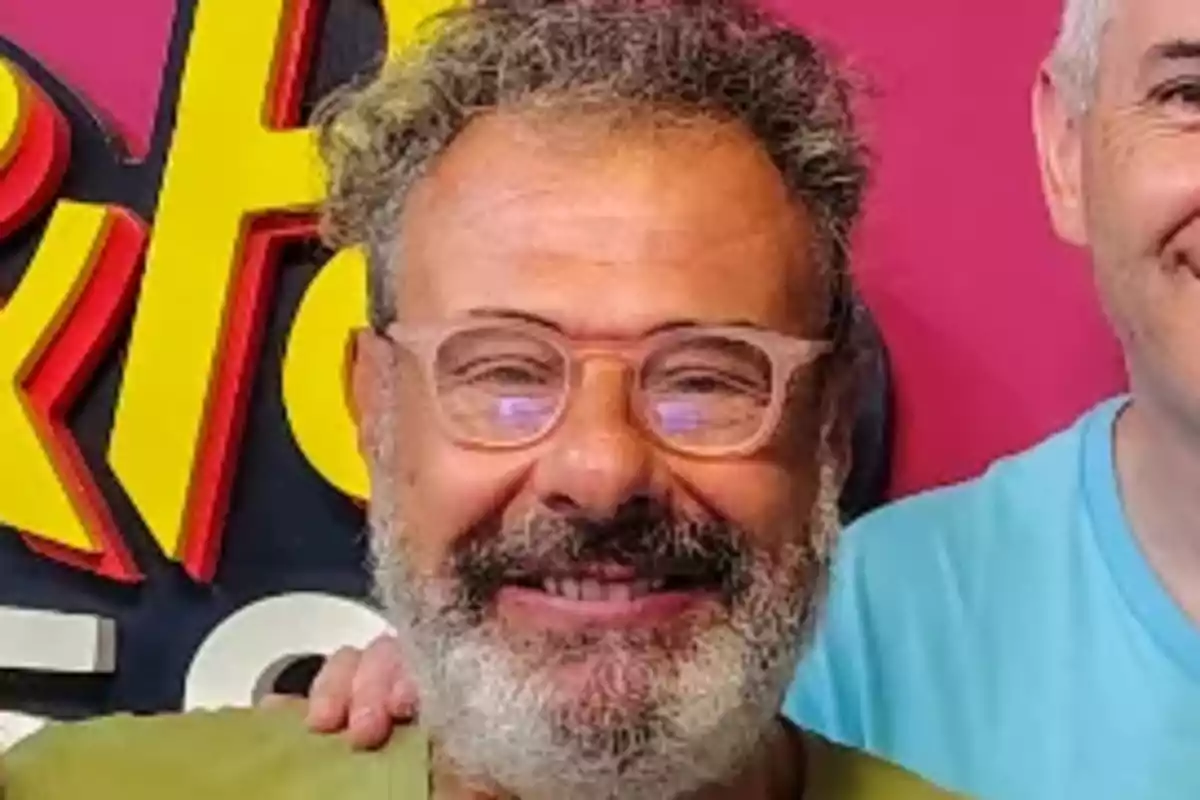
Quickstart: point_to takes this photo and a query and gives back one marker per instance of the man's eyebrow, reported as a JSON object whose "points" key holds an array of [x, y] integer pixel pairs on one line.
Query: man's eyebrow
{"points": [[679, 324], [514, 315], [488, 312], [1173, 50]]}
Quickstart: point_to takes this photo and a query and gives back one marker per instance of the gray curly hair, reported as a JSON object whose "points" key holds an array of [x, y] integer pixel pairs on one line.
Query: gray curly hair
{"points": [[664, 60]]}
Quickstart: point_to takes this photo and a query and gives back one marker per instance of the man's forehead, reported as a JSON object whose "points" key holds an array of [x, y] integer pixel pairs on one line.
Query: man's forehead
{"points": [[667, 179], [692, 226], [1144, 34]]}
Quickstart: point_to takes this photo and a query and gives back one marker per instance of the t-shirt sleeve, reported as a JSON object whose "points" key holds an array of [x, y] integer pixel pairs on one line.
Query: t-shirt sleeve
{"points": [[830, 693]]}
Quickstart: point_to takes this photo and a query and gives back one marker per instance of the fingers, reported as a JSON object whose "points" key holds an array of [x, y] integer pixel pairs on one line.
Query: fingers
{"points": [[402, 700], [329, 696], [361, 692], [371, 716]]}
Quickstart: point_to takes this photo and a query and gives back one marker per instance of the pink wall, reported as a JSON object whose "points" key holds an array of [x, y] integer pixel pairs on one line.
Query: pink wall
{"points": [[109, 51], [992, 325]]}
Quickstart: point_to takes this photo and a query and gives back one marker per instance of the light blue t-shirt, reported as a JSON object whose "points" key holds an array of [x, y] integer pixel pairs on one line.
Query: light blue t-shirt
{"points": [[1007, 638]]}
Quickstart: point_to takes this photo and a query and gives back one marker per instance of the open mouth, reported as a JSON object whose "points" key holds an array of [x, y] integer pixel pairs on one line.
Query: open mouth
{"points": [[605, 590], [606, 594], [606, 583]]}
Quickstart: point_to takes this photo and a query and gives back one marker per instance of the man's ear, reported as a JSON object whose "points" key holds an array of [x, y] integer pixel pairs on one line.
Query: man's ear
{"points": [[839, 405], [370, 362], [836, 408], [1058, 130]]}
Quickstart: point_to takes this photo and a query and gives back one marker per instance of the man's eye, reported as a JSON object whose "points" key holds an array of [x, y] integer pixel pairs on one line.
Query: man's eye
{"points": [[1181, 92], [507, 373], [706, 381]]}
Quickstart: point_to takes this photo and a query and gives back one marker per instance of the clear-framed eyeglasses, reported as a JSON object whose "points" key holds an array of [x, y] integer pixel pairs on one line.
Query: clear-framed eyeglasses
{"points": [[701, 391]]}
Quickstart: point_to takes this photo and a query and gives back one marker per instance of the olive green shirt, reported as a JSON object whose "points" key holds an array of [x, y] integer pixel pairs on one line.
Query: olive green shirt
{"points": [[268, 755]]}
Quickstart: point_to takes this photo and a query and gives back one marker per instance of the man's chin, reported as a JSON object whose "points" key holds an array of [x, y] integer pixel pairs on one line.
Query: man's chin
{"points": [[587, 654], [603, 686], [596, 680]]}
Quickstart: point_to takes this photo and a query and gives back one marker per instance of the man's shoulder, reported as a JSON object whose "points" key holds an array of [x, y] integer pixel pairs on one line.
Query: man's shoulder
{"points": [[267, 755], [842, 773], [1018, 495], [1022, 523]]}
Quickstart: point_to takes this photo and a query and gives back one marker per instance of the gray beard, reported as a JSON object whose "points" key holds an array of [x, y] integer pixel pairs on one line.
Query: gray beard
{"points": [[700, 714]]}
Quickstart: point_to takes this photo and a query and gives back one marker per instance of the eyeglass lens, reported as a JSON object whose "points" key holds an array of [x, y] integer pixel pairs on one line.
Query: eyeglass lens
{"points": [[503, 386]]}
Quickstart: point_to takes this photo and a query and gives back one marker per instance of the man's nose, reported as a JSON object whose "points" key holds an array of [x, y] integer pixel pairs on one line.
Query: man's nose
{"points": [[598, 458]]}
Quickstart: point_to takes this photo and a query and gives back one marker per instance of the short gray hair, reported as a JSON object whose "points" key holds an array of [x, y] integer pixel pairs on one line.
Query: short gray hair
{"points": [[724, 60], [1076, 55]]}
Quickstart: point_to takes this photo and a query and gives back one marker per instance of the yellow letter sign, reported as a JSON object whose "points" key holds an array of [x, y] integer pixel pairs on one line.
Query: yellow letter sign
{"points": [[232, 163], [62, 315]]}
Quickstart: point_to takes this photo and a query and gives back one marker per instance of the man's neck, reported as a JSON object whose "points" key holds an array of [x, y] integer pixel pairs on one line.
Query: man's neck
{"points": [[776, 773], [1158, 468]]}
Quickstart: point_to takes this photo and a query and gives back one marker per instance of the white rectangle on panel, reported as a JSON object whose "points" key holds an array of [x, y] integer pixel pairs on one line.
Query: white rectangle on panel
{"points": [[53, 641]]}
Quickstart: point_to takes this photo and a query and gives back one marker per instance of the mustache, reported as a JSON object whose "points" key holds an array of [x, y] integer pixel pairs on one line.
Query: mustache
{"points": [[644, 537]]}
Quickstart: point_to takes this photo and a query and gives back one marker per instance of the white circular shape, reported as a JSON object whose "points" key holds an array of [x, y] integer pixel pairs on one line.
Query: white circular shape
{"points": [[239, 661]]}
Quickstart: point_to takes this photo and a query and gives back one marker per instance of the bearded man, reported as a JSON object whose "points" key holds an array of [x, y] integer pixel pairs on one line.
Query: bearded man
{"points": [[605, 400]]}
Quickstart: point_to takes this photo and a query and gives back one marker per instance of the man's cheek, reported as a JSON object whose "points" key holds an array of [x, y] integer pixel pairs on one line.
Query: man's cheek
{"points": [[455, 492], [1154, 198], [761, 497]]}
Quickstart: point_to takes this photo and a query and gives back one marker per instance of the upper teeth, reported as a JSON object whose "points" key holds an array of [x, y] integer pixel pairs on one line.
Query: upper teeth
{"points": [[590, 589]]}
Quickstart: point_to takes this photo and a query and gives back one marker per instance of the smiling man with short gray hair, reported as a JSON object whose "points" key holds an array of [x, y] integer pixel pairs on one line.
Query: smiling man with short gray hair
{"points": [[1035, 634], [606, 399]]}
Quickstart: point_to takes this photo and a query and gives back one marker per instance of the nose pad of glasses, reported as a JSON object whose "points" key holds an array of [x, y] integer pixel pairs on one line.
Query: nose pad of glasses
{"points": [[600, 398]]}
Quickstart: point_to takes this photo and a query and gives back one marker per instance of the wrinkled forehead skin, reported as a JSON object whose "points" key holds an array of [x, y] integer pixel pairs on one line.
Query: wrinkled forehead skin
{"points": [[660, 221]]}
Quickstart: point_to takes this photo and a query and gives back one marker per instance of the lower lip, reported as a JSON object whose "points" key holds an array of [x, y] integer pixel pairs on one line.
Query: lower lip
{"points": [[533, 607]]}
